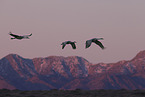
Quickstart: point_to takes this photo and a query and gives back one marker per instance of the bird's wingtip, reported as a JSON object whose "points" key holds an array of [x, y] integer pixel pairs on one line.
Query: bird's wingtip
{"points": [[86, 47], [104, 48]]}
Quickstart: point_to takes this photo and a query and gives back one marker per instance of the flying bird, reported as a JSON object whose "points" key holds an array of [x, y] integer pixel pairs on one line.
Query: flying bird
{"points": [[95, 40], [19, 37], [68, 42]]}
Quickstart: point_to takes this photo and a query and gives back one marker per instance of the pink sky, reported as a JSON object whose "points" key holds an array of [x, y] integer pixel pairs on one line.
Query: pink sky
{"points": [[120, 22]]}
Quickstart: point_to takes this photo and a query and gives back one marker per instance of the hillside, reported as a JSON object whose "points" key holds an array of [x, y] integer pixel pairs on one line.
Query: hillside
{"points": [[57, 72]]}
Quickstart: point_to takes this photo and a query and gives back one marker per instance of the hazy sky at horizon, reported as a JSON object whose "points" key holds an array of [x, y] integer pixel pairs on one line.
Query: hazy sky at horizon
{"points": [[120, 22]]}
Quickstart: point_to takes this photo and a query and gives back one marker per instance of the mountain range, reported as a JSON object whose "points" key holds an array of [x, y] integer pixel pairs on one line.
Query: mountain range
{"points": [[73, 72]]}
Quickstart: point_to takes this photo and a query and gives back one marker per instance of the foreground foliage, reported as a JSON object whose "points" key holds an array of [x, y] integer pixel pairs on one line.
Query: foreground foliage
{"points": [[72, 93]]}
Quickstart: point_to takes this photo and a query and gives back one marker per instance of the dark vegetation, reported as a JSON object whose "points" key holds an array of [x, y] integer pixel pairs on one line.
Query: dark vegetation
{"points": [[72, 93]]}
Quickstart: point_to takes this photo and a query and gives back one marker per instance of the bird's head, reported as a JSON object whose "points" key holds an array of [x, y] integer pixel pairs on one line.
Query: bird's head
{"points": [[100, 38]]}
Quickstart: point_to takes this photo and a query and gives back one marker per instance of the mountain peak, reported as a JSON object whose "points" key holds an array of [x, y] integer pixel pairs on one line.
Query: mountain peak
{"points": [[141, 54], [12, 55]]}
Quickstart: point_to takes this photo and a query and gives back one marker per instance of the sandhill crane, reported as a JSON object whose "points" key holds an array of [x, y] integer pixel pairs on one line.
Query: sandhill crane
{"points": [[19, 37], [95, 40], [69, 42]]}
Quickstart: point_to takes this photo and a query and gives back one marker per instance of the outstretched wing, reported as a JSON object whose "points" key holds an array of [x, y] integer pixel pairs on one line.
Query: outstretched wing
{"points": [[100, 44], [73, 45], [14, 35], [88, 43], [63, 45]]}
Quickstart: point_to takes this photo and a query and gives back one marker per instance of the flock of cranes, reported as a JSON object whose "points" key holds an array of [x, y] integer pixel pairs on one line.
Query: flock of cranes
{"points": [[88, 42]]}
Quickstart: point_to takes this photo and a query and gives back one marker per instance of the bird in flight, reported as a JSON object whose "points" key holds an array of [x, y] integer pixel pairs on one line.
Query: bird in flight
{"points": [[19, 37], [95, 40], [68, 42]]}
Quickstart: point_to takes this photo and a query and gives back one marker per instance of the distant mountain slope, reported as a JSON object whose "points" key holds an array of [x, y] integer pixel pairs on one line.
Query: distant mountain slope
{"points": [[71, 72]]}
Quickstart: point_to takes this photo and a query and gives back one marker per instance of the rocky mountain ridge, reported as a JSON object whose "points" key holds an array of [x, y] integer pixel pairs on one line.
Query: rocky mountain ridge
{"points": [[58, 72]]}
